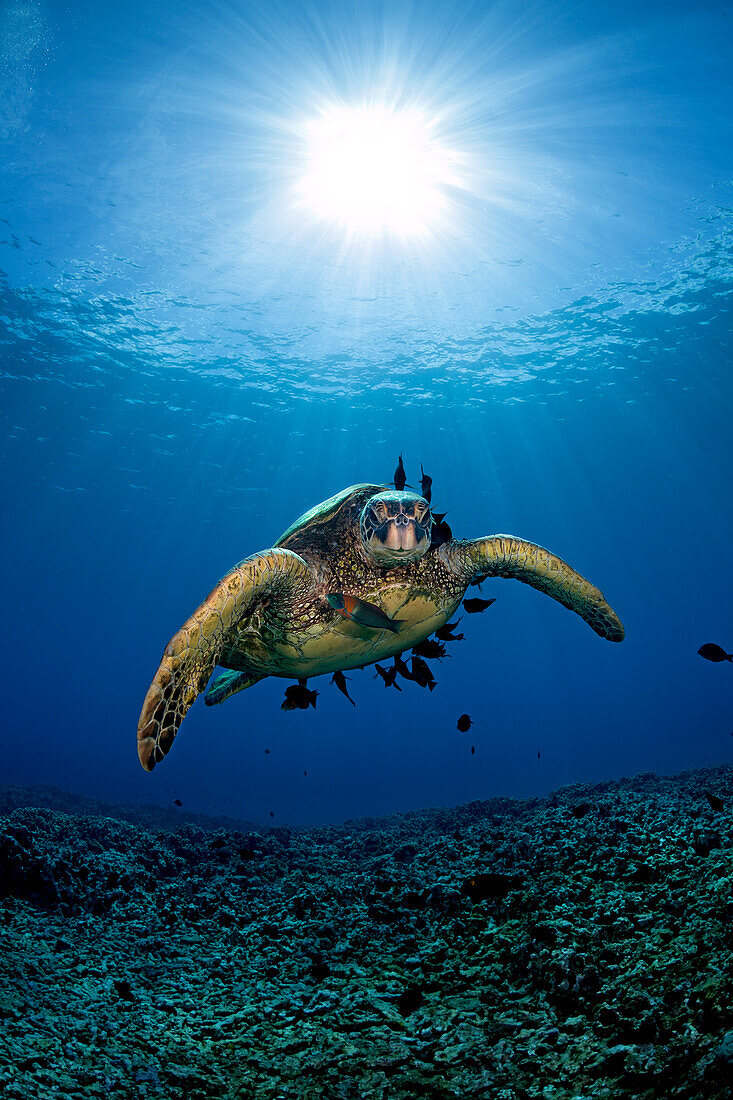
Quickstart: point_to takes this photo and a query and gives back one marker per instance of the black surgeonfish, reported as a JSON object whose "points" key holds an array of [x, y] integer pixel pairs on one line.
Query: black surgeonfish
{"points": [[401, 667], [716, 803], [475, 605], [479, 580], [421, 674], [299, 697], [464, 723], [426, 485], [441, 532], [429, 648], [400, 477], [712, 652], [339, 680], [446, 632], [388, 675]]}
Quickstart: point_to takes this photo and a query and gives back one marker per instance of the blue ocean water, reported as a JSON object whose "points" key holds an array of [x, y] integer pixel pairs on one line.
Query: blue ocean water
{"points": [[190, 360]]}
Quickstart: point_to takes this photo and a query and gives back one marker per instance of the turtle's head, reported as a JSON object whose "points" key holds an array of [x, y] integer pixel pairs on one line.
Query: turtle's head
{"points": [[395, 527]]}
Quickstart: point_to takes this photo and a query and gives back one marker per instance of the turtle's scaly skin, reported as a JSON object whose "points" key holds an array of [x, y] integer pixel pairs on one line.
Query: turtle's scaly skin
{"points": [[507, 556], [270, 615]]}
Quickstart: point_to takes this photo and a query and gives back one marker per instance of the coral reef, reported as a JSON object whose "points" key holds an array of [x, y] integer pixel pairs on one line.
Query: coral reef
{"points": [[572, 947]]}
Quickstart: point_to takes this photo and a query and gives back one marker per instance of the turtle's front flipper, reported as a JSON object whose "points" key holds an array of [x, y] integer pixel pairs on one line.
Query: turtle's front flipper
{"points": [[227, 684], [192, 654], [506, 556]]}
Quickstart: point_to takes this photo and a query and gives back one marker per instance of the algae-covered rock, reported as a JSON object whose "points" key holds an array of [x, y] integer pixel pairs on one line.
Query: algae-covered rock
{"points": [[554, 949]]}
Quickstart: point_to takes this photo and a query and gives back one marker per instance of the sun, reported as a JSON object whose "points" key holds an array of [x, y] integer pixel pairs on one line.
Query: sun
{"points": [[373, 169]]}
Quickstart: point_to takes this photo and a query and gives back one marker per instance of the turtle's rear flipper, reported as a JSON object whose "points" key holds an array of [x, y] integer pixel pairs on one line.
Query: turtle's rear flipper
{"points": [[276, 577], [229, 683]]}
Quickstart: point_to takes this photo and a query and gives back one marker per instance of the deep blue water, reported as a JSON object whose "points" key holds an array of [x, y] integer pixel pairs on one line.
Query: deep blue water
{"points": [[189, 362]]}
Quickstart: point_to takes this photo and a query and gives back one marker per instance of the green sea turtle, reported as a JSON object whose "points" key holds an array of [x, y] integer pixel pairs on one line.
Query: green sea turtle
{"points": [[272, 616]]}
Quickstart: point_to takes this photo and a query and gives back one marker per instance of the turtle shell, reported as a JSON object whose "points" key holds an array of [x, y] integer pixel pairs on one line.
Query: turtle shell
{"points": [[344, 505]]}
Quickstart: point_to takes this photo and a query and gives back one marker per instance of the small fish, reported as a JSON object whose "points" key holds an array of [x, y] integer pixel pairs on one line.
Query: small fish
{"points": [[538, 754], [409, 1001], [388, 675], [426, 485], [716, 803], [363, 613], [441, 532], [473, 750], [339, 680], [123, 989], [267, 752], [712, 652], [299, 697], [464, 723], [218, 843], [489, 885], [475, 605], [480, 579], [305, 773], [429, 648], [401, 667], [177, 802], [400, 477], [421, 674], [445, 635], [272, 813]]}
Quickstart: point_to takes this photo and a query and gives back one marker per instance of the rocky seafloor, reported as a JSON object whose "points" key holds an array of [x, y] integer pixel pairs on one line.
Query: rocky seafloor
{"points": [[579, 946]]}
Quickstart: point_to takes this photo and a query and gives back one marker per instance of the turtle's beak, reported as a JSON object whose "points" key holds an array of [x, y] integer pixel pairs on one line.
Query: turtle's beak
{"points": [[401, 534], [400, 538]]}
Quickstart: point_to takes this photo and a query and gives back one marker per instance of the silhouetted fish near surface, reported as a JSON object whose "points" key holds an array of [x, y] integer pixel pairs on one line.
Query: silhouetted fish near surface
{"points": [[429, 648], [299, 697], [363, 613], [464, 723], [339, 680], [473, 750], [177, 802], [712, 652], [716, 803], [400, 477], [421, 674], [475, 605], [388, 675], [426, 485]]}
